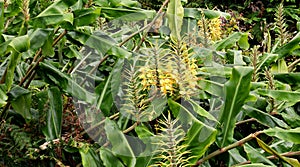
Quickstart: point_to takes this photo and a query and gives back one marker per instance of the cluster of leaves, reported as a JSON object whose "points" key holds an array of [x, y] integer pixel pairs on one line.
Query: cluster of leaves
{"points": [[108, 83]]}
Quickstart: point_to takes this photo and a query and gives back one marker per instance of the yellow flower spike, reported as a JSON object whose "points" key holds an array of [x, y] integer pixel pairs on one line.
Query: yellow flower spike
{"points": [[215, 29]]}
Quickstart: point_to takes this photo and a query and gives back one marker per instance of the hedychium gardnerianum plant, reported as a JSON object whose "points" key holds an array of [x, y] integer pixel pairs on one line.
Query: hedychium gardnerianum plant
{"points": [[213, 105]]}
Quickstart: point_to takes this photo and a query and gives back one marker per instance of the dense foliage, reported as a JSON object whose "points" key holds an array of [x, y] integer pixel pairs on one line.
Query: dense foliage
{"points": [[149, 83]]}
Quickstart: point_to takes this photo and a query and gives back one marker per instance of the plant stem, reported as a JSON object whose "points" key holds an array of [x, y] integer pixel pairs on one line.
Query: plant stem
{"points": [[32, 68], [131, 127], [30, 72], [245, 121], [291, 66], [231, 146]]}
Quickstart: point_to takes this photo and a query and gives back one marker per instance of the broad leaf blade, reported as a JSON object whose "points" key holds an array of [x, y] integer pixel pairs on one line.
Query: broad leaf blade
{"points": [[201, 111], [38, 38], [290, 97], [20, 44], [229, 41], [288, 48], [263, 117], [255, 165], [54, 115], [108, 159], [236, 92], [175, 14], [1, 17], [126, 14], [212, 87], [292, 79], [55, 76], [199, 136], [264, 146], [195, 13], [85, 17], [292, 135], [279, 67], [56, 13], [3, 96], [120, 145], [21, 101], [104, 44], [89, 157], [265, 60], [255, 156]]}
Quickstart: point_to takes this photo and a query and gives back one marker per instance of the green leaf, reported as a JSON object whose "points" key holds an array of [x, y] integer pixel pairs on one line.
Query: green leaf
{"points": [[264, 146], [17, 46], [56, 13], [213, 88], [105, 100], [120, 145], [3, 96], [243, 42], [263, 117], [54, 115], [236, 92], [14, 59], [38, 38], [255, 156], [235, 157], [216, 71], [292, 135], [20, 44], [280, 67], [127, 14], [288, 48], [291, 117], [89, 157], [175, 14], [255, 165], [1, 17], [201, 111], [55, 76], [235, 57], [265, 60], [188, 26], [292, 79], [199, 136], [104, 44], [148, 138], [47, 48], [229, 41], [108, 159], [21, 102], [195, 13], [289, 97], [84, 17]]}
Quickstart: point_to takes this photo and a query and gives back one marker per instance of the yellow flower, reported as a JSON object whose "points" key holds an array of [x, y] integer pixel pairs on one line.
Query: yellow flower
{"points": [[215, 29]]}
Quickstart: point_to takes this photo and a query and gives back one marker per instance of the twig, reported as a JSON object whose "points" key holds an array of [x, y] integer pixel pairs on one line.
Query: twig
{"points": [[245, 121], [30, 70], [130, 128], [231, 146], [291, 66]]}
